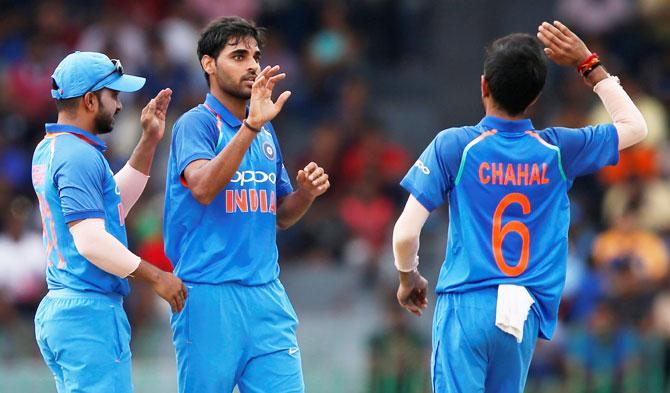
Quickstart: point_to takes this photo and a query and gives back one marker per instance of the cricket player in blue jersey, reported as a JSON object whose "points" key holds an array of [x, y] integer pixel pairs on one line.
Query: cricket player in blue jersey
{"points": [[80, 325], [506, 184], [227, 191]]}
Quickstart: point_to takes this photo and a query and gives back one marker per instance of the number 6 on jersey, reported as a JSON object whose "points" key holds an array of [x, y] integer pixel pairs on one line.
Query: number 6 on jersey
{"points": [[498, 234]]}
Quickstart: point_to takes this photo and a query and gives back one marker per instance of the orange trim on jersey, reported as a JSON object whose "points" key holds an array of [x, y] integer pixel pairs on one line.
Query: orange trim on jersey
{"points": [[467, 148], [51, 135]]}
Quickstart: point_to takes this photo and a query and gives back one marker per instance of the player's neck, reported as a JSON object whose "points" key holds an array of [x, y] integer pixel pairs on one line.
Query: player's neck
{"points": [[76, 121], [236, 106], [495, 112]]}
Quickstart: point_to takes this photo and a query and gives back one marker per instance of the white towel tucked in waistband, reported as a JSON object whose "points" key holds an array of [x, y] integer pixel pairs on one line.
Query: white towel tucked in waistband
{"points": [[512, 308]]}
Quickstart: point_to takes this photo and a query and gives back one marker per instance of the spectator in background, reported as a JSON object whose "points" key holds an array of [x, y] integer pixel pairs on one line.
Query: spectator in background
{"points": [[373, 157], [645, 250], [22, 261], [29, 78], [331, 53], [641, 160], [602, 356], [595, 17], [116, 33]]}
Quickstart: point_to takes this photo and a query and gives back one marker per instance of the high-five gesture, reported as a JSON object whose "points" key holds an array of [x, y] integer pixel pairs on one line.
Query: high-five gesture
{"points": [[154, 113], [261, 107]]}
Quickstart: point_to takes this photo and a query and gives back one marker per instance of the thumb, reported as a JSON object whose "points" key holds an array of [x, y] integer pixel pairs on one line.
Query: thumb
{"points": [[301, 176], [283, 97]]}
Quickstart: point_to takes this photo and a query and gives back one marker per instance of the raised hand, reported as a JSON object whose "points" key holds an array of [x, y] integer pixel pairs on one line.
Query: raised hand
{"points": [[313, 179], [261, 107], [412, 292], [563, 46], [154, 114]]}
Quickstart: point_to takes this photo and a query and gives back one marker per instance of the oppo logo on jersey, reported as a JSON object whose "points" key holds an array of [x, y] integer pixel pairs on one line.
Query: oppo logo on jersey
{"points": [[513, 174], [251, 200], [253, 177]]}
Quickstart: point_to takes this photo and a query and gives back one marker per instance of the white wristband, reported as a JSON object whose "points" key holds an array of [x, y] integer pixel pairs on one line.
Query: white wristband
{"points": [[131, 183], [407, 266]]}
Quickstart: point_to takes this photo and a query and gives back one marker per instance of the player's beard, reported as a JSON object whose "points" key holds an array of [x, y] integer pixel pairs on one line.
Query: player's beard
{"points": [[103, 122], [232, 88]]}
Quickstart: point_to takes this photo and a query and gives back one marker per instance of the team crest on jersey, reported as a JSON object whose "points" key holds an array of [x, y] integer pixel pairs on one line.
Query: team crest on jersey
{"points": [[268, 150]]}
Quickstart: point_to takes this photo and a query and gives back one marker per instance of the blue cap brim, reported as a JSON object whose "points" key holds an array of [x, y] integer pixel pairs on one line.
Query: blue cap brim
{"points": [[127, 83]]}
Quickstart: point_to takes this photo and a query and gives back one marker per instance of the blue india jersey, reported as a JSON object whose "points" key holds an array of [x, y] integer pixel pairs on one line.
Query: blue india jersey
{"points": [[233, 239], [73, 181], [509, 212]]}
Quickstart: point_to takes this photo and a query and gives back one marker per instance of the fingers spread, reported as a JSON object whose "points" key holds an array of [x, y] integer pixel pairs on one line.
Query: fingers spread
{"points": [[260, 81], [262, 73], [273, 80], [281, 100]]}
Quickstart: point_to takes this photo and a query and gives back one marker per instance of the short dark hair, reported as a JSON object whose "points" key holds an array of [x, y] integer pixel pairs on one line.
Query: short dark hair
{"points": [[220, 32], [515, 69], [70, 105]]}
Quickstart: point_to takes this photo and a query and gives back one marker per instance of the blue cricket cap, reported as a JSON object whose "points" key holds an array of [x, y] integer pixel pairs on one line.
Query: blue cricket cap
{"points": [[81, 72]]}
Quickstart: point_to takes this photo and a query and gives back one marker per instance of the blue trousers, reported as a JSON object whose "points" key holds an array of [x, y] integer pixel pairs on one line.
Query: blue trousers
{"points": [[472, 355], [231, 334], [84, 338]]}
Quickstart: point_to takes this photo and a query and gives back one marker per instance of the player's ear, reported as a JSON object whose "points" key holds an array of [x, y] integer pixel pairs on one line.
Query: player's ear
{"points": [[208, 64], [90, 101], [484, 87]]}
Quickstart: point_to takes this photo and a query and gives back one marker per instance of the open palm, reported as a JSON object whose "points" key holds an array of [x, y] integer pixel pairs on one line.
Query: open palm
{"points": [[154, 114], [261, 107]]}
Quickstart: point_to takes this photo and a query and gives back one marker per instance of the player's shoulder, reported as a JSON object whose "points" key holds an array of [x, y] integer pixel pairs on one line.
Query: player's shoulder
{"points": [[457, 137], [558, 135], [73, 153], [71, 147], [198, 116]]}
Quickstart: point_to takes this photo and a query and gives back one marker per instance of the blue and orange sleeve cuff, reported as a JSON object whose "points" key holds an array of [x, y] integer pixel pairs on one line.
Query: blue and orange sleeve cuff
{"points": [[418, 195], [82, 215]]}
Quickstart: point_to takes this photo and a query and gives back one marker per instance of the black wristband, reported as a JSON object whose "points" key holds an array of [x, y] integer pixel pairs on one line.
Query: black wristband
{"points": [[254, 129], [590, 70]]}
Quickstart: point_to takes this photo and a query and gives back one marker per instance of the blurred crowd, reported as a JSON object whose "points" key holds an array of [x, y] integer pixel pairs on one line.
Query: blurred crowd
{"points": [[614, 334]]}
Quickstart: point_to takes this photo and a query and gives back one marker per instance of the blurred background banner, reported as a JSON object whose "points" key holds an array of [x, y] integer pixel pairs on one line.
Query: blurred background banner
{"points": [[373, 81]]}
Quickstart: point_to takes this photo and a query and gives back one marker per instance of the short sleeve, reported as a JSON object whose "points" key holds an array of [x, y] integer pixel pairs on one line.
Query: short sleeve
{"points": [[432, 176], [584, 150], [193, 138], [284, 186], [79, 174]]}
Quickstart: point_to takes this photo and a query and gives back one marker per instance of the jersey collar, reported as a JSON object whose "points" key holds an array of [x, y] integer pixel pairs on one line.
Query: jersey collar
{"points": [[492, 122], [91, 139], [222, 111]]}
